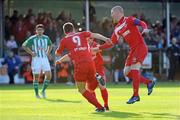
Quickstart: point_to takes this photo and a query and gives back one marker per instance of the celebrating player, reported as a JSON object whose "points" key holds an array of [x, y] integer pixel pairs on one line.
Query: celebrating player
{"points": [[100, 74], [39, 47], [127, 28], [84, 68]]}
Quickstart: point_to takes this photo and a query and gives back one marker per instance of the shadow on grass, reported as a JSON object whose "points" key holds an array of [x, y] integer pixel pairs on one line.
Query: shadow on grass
{"points": [[118, 114], [63, 86], [61, 101], [163, 115]]}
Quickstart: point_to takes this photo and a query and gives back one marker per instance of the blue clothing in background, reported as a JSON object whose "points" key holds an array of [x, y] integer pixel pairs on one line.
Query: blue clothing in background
{"points": [[12, 62]]}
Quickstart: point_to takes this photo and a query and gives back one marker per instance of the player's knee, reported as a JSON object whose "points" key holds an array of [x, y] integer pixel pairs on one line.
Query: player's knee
{"points": [[35, 77], [136, 66], [102, 87], [81, 90], [126, 71], [48, 75]]}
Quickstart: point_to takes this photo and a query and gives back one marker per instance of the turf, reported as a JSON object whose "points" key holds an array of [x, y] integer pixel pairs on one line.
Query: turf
{"points": [[17, 102]]}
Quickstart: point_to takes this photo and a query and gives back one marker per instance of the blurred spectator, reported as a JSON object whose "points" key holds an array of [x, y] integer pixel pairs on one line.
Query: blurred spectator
{"points": [[116, 63], [61, 16], [173, 53], [149, 41], [95, 25], [92, 11], [157, 38], [27, 74], [14, 18], [13, 62], [51, 31], [11, 43], [8, 26], [176, 32], [30, 24], [4, 78], [29, 13], [20, 30], [62, 73], [106, 27]]}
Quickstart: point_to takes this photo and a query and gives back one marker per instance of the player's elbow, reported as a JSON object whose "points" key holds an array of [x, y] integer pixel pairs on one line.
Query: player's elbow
{"points": [[24, 47], [57, 53], [95, 35]]}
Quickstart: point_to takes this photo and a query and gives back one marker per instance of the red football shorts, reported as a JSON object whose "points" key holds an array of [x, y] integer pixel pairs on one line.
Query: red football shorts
{"points": [[137, 54], [100, 70], [85, 72]]}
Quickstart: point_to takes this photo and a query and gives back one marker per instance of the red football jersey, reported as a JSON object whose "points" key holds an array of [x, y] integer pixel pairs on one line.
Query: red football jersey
{"points": [[77, 46], [129, 31], [98, 59]]}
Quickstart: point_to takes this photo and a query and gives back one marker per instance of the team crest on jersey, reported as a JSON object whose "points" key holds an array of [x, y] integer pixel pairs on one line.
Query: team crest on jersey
{"points": [[126, 33]]}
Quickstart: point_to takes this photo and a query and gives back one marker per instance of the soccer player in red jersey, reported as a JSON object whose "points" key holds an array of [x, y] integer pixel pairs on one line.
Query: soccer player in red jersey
{"points": [[84, 68], [100, 74], [127, 28]]}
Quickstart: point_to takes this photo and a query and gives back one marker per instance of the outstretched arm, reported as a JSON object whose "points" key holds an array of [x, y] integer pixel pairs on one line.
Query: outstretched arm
{"points": [[60, 49], [114, 39], [64, 58], [100, 37]]}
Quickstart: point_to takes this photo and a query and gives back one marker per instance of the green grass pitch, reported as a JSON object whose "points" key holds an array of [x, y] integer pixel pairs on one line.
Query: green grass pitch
{"points": [[17, 102]]}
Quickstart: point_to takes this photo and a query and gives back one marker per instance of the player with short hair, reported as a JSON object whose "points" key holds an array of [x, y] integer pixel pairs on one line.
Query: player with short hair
{"points": [[39, 47], [100, 73], [127, 28], [77, 45]]}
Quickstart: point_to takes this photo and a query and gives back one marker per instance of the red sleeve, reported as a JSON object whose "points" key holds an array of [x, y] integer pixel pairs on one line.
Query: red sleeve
{"points": [[105, 46], [114, 38], [135, 21], [143, 24], [87, 34], [94, 44], [60, 48]]}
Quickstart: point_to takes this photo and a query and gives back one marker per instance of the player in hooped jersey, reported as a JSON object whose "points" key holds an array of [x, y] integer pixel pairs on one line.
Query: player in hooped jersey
{"points": [[77, 45], [127, 28], [39, 47]]}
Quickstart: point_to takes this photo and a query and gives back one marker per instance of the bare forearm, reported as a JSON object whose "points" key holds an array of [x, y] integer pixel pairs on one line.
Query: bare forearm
{"points": [[64, 58], [57, 53], [99, 36], [49, 49], [28, 50]]}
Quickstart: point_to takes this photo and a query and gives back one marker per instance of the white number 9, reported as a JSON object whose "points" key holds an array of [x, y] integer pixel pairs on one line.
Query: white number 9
{"points": [[77, 40]]}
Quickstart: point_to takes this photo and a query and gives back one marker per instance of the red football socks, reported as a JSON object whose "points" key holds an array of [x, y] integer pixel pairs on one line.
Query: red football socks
{"points": [[92, 99], [104, 94], [144, 80], [94, 94], [135, 76]]}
